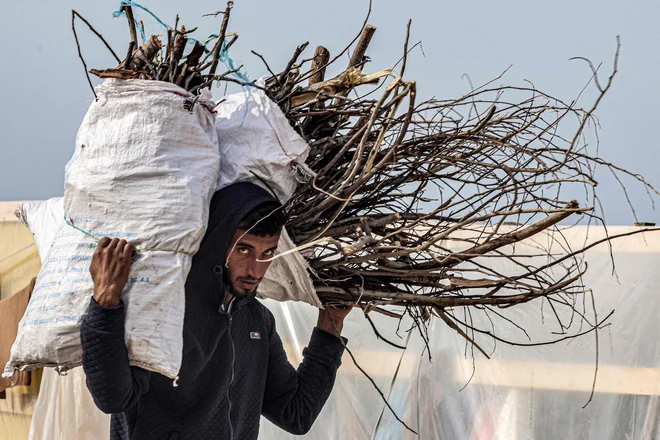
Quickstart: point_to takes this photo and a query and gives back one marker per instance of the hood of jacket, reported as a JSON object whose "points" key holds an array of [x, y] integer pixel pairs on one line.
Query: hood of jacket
{"points": [[205, 285]]}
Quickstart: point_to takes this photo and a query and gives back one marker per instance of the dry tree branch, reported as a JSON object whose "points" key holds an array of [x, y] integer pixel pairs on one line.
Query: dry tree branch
{"points": [[91, 28], [221, 38], [75, 35], [490, 154], [340, 54], [426, 205], [405, 49], [131, 22]]}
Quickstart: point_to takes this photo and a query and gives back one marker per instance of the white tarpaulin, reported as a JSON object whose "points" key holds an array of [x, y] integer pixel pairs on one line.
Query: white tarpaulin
{"points": [[521, 393], [65, 409]]}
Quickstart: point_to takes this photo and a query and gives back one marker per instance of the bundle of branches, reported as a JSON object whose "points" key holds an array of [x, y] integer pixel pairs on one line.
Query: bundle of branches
{"points": [[153, 60], [414, 202]]}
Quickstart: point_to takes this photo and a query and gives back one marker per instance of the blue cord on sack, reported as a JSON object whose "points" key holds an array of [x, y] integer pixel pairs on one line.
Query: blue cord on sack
{"points": [[246, 83], [229, 63], [224, 52], [243, 80], [119, 12]]}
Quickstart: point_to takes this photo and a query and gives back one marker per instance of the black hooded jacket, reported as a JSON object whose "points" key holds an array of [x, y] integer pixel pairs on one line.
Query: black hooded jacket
{"points": [[234, 365]]}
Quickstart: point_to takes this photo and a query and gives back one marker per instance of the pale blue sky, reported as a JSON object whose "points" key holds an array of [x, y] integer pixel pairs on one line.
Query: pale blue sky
{"points": [[46, 93]]}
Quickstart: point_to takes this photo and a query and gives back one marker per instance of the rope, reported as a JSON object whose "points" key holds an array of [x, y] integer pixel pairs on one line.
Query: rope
{"points": [[229, 63], [70, 223], [224, 52], [17, 252], [119, 13]]}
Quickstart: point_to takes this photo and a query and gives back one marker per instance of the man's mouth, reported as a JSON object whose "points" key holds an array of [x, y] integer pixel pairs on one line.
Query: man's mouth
{"points": [[249, 284]]}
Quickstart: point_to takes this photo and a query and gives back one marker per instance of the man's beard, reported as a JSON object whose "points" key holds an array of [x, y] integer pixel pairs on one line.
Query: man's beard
{"points": [[242, 293], [237, 292]]}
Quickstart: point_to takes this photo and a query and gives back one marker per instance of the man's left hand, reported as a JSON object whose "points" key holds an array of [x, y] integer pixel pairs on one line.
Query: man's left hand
{"points": [[331, 319]]}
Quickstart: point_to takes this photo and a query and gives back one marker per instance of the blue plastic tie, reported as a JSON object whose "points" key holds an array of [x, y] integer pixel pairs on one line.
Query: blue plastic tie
{"points": [[119, 13], [244, 81], [141, 29], [123, 3], [229, 63]]}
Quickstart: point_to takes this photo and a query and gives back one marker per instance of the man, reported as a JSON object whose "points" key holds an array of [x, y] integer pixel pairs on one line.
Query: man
{"points": [[234, 366]]}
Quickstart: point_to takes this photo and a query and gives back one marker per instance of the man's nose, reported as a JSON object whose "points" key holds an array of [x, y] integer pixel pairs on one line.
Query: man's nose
{"points": [[257, 269]]}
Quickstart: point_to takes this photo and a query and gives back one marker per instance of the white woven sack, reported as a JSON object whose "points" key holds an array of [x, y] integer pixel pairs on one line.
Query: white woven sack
{"points": [[43, 219], [287, 278], [258, 145], [144, 168]]}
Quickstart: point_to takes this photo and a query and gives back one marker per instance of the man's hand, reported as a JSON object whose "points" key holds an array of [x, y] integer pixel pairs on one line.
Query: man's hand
{"points": [[110, 267], [331, 319]]}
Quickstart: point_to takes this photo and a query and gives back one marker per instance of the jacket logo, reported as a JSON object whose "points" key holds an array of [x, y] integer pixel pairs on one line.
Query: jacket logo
{"points": [[255, 335]]}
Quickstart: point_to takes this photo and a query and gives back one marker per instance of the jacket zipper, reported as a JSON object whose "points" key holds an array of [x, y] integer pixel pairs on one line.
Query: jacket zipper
{"points": [[231, 380]]}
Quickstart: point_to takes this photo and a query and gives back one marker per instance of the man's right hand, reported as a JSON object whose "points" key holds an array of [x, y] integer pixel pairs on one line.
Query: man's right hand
{"points": [[110, 267]]}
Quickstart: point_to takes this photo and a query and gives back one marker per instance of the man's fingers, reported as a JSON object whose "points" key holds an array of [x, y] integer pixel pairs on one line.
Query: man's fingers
{"points": [[105, 241], [112, 245], [129, 253], [121, 244], [129, 250]]}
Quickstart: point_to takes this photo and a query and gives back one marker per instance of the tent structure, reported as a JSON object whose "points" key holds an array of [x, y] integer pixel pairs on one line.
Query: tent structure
{"points": [[19, 263], [520, 393]]}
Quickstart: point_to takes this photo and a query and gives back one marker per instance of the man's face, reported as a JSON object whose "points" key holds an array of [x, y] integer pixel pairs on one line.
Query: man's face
{"points": [[244, 271]]}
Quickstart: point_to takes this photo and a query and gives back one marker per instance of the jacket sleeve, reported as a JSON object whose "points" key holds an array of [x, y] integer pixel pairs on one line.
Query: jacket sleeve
{"points": [[294, 398], [113, 383]]}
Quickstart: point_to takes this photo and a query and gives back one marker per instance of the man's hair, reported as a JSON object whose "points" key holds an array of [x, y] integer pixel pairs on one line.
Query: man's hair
{"points": [[266, 219]]}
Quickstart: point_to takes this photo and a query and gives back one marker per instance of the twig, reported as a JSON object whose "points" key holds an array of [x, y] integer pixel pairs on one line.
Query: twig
{"points": [[221, 38], [131, 23], [129, 55], [91, 28], [405, 49], [266, 64], [379, 336], [320, 60], [75, 35], [292, 61]]}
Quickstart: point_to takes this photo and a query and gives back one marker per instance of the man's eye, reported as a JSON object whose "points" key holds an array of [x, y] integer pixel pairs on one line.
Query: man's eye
{"points": [[243, 251], [269, 253]]}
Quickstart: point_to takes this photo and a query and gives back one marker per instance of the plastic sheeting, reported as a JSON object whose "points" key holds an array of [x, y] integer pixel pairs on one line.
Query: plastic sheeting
{"points": [[521, 392], [19, 263], [65, 409], [17, 407]]}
